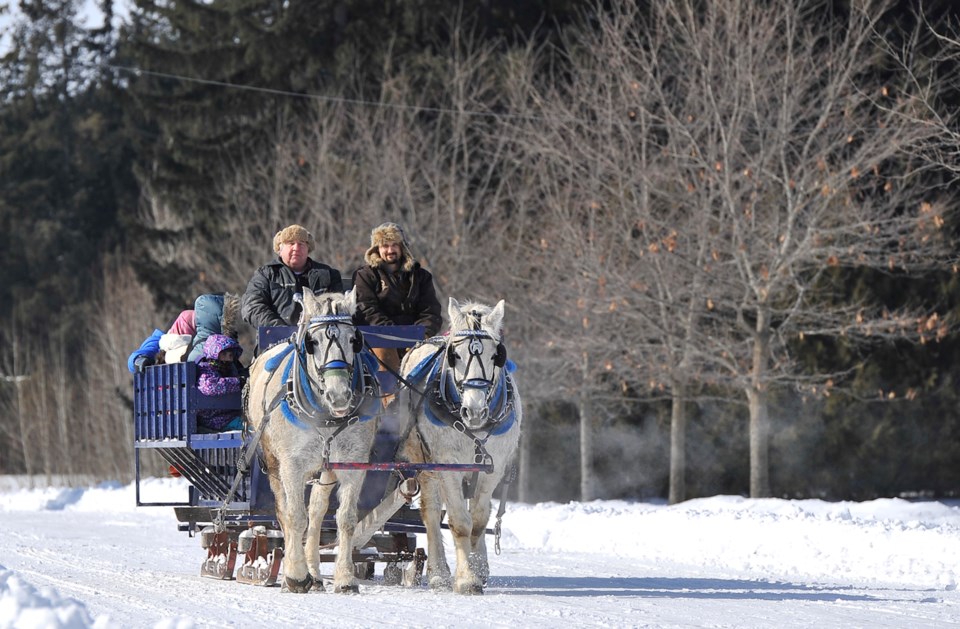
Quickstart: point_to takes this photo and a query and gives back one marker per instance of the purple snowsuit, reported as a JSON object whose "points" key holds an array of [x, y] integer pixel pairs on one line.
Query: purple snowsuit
{"points": [[219, 378]]}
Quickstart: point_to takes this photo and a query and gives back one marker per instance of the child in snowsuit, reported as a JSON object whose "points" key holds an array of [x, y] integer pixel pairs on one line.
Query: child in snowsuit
{"points": [[220, 373]]}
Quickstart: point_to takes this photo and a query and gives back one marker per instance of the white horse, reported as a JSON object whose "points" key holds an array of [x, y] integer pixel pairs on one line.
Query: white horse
{"points": [[467, 410], [328, 412]]}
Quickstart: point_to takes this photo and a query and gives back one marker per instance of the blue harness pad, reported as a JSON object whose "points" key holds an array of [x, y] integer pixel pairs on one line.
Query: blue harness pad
{"points": [[419, 372], [368, 409], [291, 416], [275, 361]]}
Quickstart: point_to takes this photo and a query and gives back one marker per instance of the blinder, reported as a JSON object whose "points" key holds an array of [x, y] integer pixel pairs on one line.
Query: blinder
{"points": [[500, 358], [451, 355], [357, 341]]}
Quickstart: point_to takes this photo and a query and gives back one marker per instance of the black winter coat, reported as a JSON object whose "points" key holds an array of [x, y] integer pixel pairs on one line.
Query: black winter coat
{"points": [[268, 300], [407, 298]]}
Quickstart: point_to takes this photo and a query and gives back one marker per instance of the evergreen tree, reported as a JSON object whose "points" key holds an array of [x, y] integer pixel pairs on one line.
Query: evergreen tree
{"points": [[62, 156]]}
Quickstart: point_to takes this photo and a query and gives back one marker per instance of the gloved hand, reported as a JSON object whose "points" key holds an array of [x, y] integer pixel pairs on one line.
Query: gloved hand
{"points": [[143, 362]]}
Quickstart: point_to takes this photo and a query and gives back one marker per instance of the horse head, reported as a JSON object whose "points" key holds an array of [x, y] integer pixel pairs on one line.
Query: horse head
{"points": [[328, 337], [475, 357]]}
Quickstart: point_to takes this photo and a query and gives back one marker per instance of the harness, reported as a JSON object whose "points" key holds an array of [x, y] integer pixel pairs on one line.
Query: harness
{"points": [[441, 400], [441, 397], [304, 381]]}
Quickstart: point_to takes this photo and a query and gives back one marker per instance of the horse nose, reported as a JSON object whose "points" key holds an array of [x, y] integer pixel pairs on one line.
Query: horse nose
{"points": [[474, 416], [336, 397]]}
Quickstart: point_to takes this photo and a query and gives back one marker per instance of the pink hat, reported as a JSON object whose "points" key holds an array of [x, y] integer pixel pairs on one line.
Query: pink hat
{"points": [[185, 324]]}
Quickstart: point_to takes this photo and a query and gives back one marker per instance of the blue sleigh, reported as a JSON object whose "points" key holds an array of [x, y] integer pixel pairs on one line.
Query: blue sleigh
{"points": [[230, 504]]}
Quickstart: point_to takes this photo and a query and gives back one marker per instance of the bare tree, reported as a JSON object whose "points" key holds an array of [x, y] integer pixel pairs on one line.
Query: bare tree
{"points": [[808, 163], [737, 156], [616, 256], [17, 371], [123, 313]]}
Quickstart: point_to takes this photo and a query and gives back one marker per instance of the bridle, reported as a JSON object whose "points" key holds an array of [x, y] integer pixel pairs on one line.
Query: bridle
{"points": [[475, 348], [308, 337], [486, 382], [325, 330]]}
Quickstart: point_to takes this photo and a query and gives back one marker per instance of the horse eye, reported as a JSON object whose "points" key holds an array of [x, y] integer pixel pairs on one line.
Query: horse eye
{"points": [[309, 344]]}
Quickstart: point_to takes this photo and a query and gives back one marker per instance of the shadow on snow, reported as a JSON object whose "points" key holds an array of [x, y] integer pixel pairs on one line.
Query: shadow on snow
{"points": [[652, 587]]}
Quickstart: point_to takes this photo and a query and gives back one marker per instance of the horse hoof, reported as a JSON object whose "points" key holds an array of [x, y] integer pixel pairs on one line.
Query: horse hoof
{"points": [[474, 589], [440, 584], [298, 586], [347, 589]]}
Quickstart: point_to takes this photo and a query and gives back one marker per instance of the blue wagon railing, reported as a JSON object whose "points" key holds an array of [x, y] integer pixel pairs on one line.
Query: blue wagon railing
{"points": [[165, 405]]}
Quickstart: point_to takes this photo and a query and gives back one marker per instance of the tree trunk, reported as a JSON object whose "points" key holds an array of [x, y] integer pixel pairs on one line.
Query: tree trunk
{"points": [[586, 436], [759, 414], [759, 444], [19, 383], [678, 440]]}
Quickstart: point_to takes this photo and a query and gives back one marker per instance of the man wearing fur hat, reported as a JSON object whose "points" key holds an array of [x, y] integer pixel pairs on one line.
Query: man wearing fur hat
{"points": [[393, 289], [268, 300]]}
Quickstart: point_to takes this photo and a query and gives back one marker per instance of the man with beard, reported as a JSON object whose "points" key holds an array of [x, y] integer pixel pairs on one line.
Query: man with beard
{"points": [[393, 289]]}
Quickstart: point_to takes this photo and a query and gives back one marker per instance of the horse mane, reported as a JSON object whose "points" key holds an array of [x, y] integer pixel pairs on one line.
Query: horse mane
{"points": [[330, 303], [463, 318]]}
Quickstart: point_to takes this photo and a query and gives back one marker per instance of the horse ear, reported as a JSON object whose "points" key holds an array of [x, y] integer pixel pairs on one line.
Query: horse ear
{"points": [[309, 301], [350, 303], [454, 313], [495, 318]]}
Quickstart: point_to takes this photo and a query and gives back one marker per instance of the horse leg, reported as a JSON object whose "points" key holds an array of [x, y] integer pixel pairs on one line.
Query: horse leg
{"points": [[319, 503], [344, 576], [480, 517], [438, 572], [461, 528], [293, 520]]}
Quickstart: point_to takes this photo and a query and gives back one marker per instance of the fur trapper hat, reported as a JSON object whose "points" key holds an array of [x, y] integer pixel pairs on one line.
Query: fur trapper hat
{"points": [[386, 233], [292, 233], [230, 318], [175, 347]]}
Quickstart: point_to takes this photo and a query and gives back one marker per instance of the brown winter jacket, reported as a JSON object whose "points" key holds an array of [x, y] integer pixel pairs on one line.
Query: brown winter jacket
{"points": [[408, 297]]}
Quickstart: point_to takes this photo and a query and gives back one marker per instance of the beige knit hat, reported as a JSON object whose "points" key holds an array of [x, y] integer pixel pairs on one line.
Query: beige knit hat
{"points": [[292, 233]]}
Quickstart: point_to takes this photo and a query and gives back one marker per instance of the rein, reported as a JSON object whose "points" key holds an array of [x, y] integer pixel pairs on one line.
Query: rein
{"points": [[396, 374], [244, 459]]}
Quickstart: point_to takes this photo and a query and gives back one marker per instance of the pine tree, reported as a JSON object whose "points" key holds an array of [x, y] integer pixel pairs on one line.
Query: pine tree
{"points": [[62, 158]]}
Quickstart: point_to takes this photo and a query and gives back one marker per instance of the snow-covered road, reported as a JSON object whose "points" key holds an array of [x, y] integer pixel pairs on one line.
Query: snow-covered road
{"points": [[718, 562]]}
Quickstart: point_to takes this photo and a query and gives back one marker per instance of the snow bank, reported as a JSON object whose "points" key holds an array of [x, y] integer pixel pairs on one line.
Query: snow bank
{"points": [[23, 607]]}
